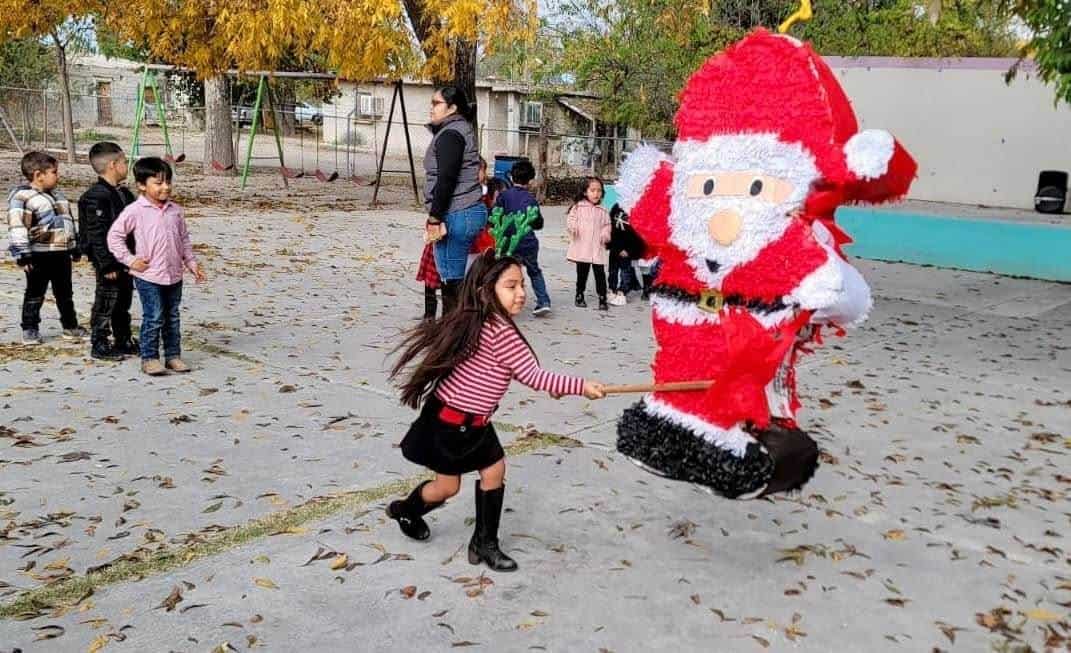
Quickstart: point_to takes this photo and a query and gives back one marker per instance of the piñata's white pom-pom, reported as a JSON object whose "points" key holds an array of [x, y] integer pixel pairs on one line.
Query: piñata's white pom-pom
{"points": [[868, 153]]}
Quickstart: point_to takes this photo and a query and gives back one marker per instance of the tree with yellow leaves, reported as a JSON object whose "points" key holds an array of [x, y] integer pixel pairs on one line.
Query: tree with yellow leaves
{"points": [[60, 23], [212, 37], [367, 38], [360, 39]]}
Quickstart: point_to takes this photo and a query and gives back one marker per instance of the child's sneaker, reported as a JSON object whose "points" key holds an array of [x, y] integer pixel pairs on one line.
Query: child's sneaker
{"points": [[176, 365], [541, 310], [617, 299], [31, 337], [153, 368], [77, 333]]}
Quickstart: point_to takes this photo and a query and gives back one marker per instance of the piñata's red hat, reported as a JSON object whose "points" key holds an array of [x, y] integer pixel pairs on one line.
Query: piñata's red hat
{"points": [[773, 84]]}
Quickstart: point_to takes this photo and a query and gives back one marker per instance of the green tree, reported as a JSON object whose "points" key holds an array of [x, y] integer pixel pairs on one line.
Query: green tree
{"points": [[1050, 45], [64, 25], [636, 54], [24, 64]]}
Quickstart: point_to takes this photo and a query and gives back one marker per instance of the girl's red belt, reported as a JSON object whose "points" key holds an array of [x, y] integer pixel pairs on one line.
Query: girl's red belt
{"points": [[461, 418]]}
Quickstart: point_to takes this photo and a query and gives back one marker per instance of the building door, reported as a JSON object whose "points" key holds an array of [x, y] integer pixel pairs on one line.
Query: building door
{"points": [[104, 103]]}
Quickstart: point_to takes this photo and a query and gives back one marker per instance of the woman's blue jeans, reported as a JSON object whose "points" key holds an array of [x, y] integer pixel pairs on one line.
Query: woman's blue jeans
{"points": [[462, 227]]}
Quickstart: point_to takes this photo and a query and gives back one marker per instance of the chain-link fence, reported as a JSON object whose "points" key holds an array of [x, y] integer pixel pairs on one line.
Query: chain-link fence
{"points": [[323, 139]]}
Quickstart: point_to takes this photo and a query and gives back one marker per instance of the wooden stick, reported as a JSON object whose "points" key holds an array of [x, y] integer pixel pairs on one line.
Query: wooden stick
{"points": [[678, 386]]}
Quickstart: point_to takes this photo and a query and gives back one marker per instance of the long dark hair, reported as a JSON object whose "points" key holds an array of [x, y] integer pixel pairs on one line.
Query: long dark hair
{"points": [[455, 96], [582, 191], [446, 342]]}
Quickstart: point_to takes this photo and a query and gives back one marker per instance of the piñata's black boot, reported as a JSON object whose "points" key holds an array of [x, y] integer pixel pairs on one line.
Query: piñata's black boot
{"points": [[483, 547], [409, 513], [794, 454], [668, 449]]}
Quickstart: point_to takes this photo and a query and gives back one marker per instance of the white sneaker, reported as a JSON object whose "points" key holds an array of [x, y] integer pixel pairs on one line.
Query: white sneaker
{"points": [[616, 299]]}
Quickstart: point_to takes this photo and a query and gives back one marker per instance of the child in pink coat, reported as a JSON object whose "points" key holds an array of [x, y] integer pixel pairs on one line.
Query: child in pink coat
{"points": [[589, 233]]}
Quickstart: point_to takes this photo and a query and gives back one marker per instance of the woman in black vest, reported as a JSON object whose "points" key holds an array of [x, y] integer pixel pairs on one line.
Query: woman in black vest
{"points": [[452, 191]]}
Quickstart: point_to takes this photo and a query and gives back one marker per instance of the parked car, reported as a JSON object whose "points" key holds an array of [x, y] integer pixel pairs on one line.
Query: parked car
{"points": [[306, 114], [242, 115]]}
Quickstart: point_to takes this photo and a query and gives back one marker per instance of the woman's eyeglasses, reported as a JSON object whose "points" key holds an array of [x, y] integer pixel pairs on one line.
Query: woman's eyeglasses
{"points": [[437, 102]]}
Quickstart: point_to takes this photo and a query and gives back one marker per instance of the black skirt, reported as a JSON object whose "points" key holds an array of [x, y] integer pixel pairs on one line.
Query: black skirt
{"points": [[447, 448]]}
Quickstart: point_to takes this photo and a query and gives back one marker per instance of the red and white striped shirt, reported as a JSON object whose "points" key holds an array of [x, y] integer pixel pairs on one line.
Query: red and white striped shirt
{"points": [[478, 383]]}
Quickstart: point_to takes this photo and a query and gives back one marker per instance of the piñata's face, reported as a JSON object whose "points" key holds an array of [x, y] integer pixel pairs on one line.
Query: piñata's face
{"points": [[732, 196]]}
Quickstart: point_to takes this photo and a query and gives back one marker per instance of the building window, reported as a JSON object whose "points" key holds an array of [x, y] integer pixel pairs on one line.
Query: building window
{"points": [[369, 106], [532, 115]]}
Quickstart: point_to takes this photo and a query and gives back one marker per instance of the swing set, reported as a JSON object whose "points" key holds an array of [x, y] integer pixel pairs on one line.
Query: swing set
{"points": [[265, 99], [148, 83]]}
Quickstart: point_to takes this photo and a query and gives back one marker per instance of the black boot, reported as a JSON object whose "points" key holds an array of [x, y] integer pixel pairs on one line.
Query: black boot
{"points": [[451, 290], [795, 457], [483, 547], [431, 304], [603, 306], [409, 513], [127, 346], [648, 281], [580, 300], [103, 350]]}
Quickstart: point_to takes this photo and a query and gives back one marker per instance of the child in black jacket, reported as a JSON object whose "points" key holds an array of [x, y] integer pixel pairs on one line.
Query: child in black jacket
{"points": [[98, 208], [625, 246]]}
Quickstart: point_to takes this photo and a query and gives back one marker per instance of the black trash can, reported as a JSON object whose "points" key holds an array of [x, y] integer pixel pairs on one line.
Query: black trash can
{"points": [[1052, 192]]}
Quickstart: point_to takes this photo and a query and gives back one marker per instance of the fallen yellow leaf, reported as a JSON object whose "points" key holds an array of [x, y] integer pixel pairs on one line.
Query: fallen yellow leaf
{"points": [[98, 643], [265, 582], [1041, 614], [895, 535], [340, 562]]}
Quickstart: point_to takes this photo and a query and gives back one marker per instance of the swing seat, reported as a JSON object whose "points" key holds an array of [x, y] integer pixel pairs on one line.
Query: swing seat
{"points": [[174, 159], [326, 178], [216, 165], [291, 174]]}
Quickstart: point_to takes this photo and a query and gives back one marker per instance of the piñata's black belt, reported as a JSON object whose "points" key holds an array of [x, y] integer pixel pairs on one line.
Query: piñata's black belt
{"points": [[712, 301]]}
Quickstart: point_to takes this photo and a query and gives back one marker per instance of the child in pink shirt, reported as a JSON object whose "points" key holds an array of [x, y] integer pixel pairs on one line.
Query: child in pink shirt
{"points": [[589, 234], [163, 251]]}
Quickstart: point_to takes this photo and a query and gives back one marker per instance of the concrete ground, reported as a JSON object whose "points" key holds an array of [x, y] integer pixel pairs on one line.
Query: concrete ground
{"points": [[245, 500]]}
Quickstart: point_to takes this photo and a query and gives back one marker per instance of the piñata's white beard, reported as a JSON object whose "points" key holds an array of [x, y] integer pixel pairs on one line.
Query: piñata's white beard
{"points": [[763, 222]]}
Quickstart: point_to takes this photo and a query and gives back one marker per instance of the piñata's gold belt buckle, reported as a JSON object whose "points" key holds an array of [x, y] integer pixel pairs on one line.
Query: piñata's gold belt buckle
{"points": [[711, 301]]}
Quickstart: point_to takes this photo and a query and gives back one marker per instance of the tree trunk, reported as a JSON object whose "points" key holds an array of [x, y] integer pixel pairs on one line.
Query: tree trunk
{"points": [[933, 11], [286, 96], [465, 74], [65, 97], [218, 146]]}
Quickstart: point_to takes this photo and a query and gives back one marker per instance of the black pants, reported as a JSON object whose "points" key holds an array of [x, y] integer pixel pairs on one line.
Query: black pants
{"points": [[49, 268], [622, 275], [451, 290], [582, 278], [431, 303], [111, 308]]}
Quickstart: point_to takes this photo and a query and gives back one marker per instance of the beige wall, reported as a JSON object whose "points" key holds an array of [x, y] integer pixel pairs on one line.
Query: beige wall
{"points": [[370, 133], [977, 140]]}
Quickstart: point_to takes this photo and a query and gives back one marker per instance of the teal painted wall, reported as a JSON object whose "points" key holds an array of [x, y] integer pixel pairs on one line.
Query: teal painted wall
{"points": [[1018, 248], [1040, 251]]}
